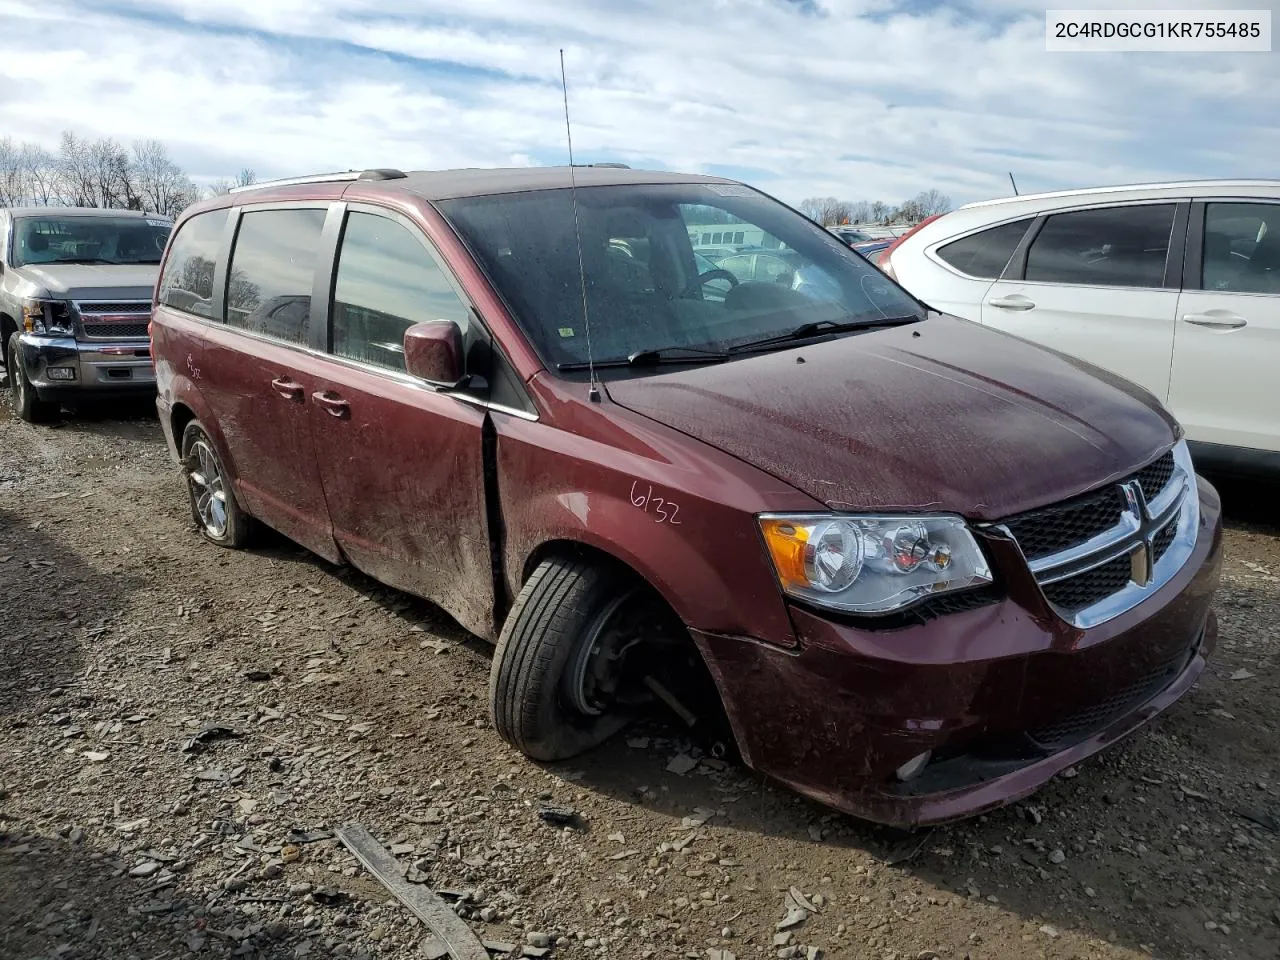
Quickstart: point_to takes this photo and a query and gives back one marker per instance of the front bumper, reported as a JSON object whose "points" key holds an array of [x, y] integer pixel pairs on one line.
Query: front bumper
{"points": [[1005, 695], [65, 369]]}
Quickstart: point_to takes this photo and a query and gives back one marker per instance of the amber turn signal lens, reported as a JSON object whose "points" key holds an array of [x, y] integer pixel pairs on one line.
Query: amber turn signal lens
{"points": [[786, 542]]}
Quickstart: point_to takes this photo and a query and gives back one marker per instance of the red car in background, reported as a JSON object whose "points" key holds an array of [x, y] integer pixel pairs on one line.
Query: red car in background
{"points": [[923, 566]]}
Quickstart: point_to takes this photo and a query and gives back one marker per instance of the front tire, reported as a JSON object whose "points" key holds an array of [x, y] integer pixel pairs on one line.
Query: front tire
{"points": [[26, 404], [213, 503], [556, 682]]}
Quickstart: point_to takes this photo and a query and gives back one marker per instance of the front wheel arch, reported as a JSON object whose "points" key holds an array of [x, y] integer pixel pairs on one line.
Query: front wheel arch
{"points": [[673, 657]]}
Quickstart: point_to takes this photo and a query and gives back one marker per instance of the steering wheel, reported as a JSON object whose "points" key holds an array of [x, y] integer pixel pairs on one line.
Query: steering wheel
{"points": [[697, 282]]}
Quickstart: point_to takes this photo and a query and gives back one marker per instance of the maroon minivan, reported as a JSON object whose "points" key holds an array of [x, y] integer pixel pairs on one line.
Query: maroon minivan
{"points": [[921, 566]]}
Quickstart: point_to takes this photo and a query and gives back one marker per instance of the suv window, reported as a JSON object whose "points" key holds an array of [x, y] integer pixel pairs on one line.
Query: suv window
{"points": [[1114, 246], [387, 281], [985, 253], [1242, 248], [272, 269], [187, 283]]}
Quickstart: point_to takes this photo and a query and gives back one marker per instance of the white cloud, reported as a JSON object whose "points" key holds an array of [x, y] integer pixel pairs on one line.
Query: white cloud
{"points": [[862, 99]]}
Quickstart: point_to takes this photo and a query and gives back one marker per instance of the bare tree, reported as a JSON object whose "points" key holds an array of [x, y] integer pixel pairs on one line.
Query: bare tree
{"points": [[828, 211], [162, 186], [12, 179], [931, 202], [246, 178], [813, 208], [219, 187], [879, 211], [860, 212], [76, 182]]}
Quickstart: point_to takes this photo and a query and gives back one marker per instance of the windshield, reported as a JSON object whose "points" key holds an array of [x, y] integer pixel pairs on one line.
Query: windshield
{"points": [[667, 265], [105, 239]]}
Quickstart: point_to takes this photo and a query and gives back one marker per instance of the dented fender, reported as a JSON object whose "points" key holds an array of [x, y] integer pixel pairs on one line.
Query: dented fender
{"points": [[644, 497]]}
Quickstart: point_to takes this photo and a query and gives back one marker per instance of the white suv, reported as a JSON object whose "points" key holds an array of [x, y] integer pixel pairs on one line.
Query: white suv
{"points": [[1175, 286]]}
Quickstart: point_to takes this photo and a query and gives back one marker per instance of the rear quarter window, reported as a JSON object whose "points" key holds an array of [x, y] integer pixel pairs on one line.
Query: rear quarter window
{"points": [[986, 253], [1124, 246], [187, 283]]}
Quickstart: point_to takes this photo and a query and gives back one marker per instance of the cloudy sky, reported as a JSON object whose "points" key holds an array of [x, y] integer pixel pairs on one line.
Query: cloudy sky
{"points": [[863, 99]]}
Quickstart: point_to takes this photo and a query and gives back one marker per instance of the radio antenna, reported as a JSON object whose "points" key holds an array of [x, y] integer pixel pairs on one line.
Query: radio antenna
{"points": [[593, 388], [1014, 182]]}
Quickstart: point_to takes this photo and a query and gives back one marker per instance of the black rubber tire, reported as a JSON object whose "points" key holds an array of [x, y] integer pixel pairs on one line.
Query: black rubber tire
{"points": [[25, 402], [554, 613], [239, 528]]}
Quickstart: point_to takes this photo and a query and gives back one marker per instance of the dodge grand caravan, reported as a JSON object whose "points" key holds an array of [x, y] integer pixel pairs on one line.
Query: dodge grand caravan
{"points": [[922, 566]]}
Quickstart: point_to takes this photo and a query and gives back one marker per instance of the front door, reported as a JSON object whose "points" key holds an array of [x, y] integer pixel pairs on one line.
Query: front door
{"points": [[1227, 349], [401, 462], [257, 375], [1094, 287]]}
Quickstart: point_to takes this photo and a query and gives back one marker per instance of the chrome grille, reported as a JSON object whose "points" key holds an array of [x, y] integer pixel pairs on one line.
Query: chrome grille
{"points": [[1089, 587], [1048, 531], [114, 320], [1102, 553], [113, 331], [1155, 476], [122, 306]]}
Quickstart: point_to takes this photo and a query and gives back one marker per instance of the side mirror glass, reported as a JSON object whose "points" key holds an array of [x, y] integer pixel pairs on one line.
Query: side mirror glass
{"points": [[433, 352]]}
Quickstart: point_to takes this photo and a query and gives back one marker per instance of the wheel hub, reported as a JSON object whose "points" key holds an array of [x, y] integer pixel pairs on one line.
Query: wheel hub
{"points": [[597, 670]]}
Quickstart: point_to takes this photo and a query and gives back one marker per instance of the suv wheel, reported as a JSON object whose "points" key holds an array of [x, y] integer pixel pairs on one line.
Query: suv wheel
{"points": [[213, 504], [25, 402], [558, 684]]}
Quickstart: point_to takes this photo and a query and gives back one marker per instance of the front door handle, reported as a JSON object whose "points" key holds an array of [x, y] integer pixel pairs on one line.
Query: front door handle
{"points": [[1015, 302], [333, 404], [288, 389], [1219, 319]]}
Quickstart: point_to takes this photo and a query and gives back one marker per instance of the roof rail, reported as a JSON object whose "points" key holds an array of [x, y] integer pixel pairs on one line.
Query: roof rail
{"points": [[385, 173]]}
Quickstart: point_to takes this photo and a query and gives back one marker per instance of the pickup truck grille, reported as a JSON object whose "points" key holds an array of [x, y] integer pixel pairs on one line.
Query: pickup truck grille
{"points": [[114, 320], [1101, 553]]}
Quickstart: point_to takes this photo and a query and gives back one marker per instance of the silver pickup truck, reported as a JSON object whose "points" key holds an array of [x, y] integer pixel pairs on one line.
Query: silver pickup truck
{"points": [[75, 300]]}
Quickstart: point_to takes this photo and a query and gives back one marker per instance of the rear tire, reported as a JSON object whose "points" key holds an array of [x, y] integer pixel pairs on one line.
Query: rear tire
{"points": [[26, 404], [565, 612], [213, 503]]}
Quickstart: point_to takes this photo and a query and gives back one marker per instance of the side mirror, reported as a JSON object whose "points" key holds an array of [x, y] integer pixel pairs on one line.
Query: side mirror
{"points": [[433, 352]]}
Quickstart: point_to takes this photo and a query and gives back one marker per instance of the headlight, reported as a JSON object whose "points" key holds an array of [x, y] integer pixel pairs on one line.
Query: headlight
{"points": [[48, 316], [872, 564]]}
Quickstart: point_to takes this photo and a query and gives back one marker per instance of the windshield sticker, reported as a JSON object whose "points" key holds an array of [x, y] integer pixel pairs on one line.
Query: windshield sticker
{"points": [[566, 333], [730, 190], [158, 223]]}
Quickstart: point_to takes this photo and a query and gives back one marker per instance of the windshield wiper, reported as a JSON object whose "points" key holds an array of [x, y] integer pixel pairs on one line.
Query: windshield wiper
{"points": [[819, 328], [86, 260], [652, 357]]}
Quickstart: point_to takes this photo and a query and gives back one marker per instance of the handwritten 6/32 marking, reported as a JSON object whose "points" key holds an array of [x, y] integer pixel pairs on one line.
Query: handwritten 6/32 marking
{"points": [[665, 511]]}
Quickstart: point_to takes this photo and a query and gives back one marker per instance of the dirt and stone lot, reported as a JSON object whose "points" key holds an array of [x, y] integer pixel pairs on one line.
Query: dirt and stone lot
{"points": [[327, 699]]}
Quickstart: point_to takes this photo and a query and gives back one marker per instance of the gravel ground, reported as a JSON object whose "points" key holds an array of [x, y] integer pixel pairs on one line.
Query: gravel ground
{"points": [[123, 833]]}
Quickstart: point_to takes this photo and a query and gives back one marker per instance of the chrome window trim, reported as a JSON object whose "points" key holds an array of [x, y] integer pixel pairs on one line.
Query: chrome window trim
{"points": [[1142, 521]]}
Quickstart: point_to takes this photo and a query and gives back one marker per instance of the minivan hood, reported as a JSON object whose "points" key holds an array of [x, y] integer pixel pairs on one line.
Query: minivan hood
{"points": [[941, 415], [92, 281]]}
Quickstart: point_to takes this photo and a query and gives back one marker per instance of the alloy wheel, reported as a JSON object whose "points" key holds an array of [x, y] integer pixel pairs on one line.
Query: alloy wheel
{"points": [[208, 491]]}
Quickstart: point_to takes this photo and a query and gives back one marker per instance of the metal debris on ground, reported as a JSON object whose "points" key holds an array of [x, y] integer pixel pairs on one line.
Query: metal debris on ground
{"points": [[206, 735], [425, 905], [559, 816]]}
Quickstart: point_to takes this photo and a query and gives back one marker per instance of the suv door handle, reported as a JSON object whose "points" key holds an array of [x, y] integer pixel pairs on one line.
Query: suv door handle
{"points": [[288, 389], [1222, 319], [1015, 302], [334, 405]]}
